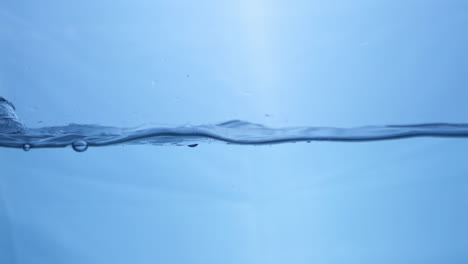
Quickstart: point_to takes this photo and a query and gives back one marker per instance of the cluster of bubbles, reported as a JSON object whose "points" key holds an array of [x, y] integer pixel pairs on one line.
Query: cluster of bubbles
{"points": [[78, 146], [9, 123]]}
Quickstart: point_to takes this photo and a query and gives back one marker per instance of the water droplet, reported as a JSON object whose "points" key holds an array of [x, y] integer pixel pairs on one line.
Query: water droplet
{"points": [[193, 145], [26, 147], [80, 146]]}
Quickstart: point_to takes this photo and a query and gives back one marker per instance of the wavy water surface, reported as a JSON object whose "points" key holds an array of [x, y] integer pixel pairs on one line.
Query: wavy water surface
{"points": [[14, 134]]}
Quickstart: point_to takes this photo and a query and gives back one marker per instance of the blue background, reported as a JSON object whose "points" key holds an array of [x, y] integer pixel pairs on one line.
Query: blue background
{"points": [[279, 63]]}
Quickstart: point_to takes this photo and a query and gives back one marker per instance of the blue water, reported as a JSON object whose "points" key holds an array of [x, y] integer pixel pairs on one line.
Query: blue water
{"points": [[244, 131], [15, 134]]}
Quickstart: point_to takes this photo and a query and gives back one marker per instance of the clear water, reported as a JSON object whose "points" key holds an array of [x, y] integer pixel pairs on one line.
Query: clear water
{"points": [[143, 90], [15, 134]]}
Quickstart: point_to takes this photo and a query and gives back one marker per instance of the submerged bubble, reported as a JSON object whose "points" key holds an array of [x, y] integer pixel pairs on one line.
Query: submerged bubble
{"points": [[26, 147], [80, 146]]}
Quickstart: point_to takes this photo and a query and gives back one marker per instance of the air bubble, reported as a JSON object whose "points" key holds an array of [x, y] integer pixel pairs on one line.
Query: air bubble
{"points": [[26, 147], [80, 146]]}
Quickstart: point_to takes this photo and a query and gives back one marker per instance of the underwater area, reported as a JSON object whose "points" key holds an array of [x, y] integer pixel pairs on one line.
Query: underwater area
{"points": [[247, 131]]}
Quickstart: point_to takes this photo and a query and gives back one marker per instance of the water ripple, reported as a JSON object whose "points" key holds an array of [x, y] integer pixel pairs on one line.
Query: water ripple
{"points": [[14, 135]]}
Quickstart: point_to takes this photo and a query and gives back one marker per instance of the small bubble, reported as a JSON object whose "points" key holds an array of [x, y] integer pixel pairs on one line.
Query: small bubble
{"points": [[192, 145], [80, 146], [26, 147]]}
